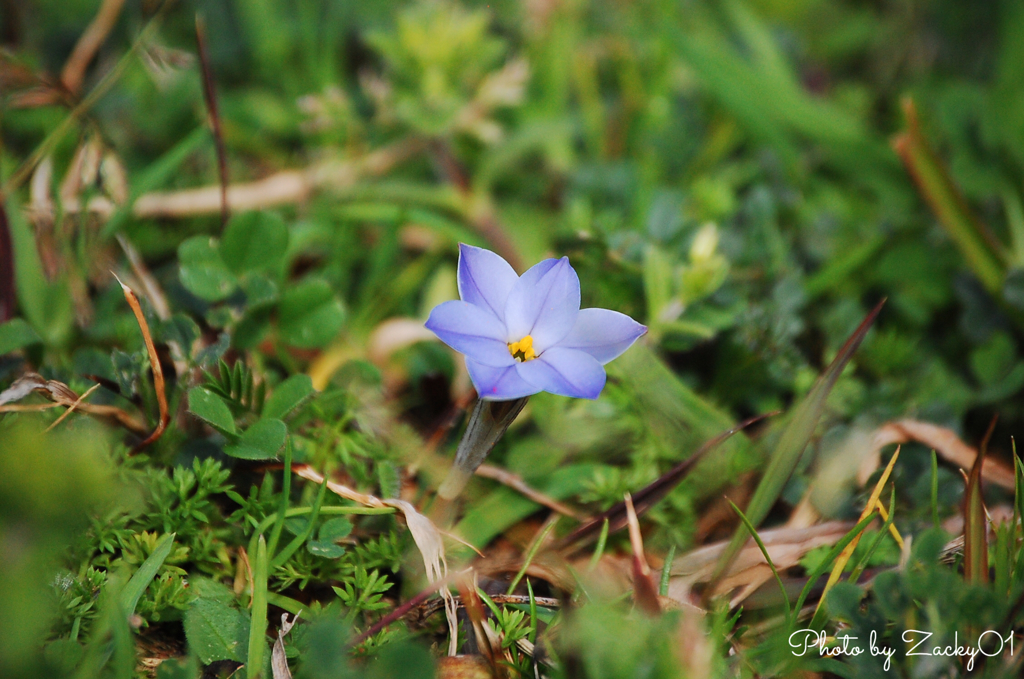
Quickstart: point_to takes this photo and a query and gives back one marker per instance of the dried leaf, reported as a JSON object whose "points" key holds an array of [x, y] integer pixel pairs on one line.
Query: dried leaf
{"points": [[945, 442], [786, 546], [278, 659]]}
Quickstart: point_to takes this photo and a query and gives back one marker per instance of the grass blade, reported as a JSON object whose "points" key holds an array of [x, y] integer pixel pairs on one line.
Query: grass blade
{"points": [[159, 387], [869, 508], [7, 293], [764, 552], [979, 247], [792, 444], [975, 525], [1018, 486], [666, 571], [286, 489], [300, 540], [258, 626], [862, 564], [829, 558], [534, 548], [132, 592]]}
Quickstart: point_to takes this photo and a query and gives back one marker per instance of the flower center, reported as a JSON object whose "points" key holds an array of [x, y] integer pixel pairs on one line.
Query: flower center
{"points": [[522, 350]]}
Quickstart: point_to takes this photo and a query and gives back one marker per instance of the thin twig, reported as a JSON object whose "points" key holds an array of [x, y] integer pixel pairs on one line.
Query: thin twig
{"points": [[61, 395], [287, 187], [515, 482], [405, 608], [72, 407], [210, 93], [427, 608]]}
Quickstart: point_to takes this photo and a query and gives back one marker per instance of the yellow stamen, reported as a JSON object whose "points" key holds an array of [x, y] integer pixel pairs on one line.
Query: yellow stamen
{"points": [[523, 349]]}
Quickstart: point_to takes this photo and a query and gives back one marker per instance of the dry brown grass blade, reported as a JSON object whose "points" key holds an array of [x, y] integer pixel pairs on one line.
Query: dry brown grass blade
{"points": [[72, 407], [60, 395], [89, 43], [945, 442], [474, 607], [155, 294], [844, 556], [210, 94], [645, 594], [975, 522], [515, 482], [158, 373]]}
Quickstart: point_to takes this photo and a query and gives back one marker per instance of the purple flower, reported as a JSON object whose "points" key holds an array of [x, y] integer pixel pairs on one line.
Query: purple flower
{"points": [[525, 334]]}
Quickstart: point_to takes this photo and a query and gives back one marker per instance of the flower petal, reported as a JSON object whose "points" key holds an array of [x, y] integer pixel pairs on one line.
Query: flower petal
{"points": [[471, 330], [498, 384], [567, 372], [485, 279], [544, 303], [603, 333]]}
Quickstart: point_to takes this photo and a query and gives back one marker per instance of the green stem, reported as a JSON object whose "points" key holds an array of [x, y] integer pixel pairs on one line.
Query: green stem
{"points": [[299, 540], [286, 489], [529, 556], [258, 626]]}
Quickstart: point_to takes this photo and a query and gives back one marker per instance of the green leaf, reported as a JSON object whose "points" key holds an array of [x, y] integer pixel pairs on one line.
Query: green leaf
{"points": [[335, 529], [181, 329], [214, 628], [254, 241], [261, 441], [132, 592], [203, 272], [210, 408], [16, 334], [331, 531], [260, 292], [45, 304], [325, 549], [309, 315], [288, 395], [984, 254]]}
